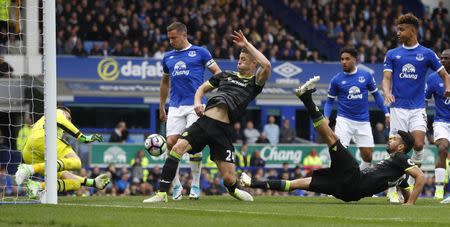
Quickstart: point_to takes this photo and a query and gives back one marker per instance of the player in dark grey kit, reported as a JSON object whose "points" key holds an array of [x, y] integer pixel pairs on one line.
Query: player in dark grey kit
{"points": [[343, 179], [235, 90]]}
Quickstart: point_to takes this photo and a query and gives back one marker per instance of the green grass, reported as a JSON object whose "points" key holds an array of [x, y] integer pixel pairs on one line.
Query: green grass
{"points": [[224, 211]]}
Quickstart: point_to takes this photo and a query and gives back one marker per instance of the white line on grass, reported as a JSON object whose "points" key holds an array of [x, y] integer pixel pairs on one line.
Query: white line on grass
{"points": [[241, 212]]}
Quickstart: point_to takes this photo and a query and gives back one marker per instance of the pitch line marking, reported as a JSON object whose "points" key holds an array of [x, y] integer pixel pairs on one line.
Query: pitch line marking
{"points": [[237, 211]]}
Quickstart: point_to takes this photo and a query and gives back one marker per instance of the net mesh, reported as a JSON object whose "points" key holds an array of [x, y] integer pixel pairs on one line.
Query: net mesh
{"points": [[21, 88]]}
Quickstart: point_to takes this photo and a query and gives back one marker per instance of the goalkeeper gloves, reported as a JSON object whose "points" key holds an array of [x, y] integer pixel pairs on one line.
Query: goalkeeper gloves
{"points": [[91, 138]]}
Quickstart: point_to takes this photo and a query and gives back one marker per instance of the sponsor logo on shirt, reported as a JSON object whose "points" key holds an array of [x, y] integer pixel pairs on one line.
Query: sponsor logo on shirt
{"points": [[447, 101], [239, 83], [180, 69], [354, 93], [408, 72]]}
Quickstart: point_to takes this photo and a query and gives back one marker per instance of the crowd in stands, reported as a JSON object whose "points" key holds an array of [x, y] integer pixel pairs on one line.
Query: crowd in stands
{"points": [[137, 28], [369, 25], [272, 133]]}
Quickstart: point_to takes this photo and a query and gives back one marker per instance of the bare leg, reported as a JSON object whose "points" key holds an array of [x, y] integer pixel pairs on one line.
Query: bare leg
{"points": [[366, 156], [417, 156], [227, 170]]}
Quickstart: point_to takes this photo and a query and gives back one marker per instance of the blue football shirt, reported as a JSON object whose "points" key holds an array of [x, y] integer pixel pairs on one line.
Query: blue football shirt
{"points": [[352, 91], [186, 70], [436, 88], [409, 66]]}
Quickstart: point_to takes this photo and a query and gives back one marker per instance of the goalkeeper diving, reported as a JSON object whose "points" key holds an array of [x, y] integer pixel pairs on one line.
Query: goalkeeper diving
{"points": [[67, 160]]}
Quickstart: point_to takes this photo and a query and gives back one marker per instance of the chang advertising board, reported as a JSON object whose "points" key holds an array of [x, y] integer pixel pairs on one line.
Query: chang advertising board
{"points": [[275, 156]]}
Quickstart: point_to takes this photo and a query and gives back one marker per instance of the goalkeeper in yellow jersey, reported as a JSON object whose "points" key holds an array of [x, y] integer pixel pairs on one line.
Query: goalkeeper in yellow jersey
{"points": [[67, 159]]}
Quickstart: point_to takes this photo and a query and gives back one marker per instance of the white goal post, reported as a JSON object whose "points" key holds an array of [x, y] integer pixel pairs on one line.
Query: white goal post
{"points": [[49, 41]]}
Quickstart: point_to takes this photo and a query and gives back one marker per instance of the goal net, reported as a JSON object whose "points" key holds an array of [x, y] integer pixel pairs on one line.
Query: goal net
{"points": [[23, 90]]}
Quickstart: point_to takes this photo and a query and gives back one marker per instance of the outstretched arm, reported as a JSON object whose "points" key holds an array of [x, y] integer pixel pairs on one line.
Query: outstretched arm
{"points": [[263, 72], [419, 178], [204, 88], [66, 125]]}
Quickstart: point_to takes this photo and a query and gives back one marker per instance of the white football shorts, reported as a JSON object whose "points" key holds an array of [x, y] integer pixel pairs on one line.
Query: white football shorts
{"points": [[179, 118], [359, 131], [441, 130], [408, 120]]}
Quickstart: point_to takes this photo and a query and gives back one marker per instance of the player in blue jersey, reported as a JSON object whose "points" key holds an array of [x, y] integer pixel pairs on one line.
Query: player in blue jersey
{"points": [[405, 69], [352, 87], [441, 124], [183, 68]]}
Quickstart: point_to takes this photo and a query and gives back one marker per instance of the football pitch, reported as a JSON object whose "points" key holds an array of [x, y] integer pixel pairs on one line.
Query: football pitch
{"points": [[225, 211]]}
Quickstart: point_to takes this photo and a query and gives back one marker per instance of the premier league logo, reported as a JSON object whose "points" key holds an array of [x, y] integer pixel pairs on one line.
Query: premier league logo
{"points": [[361, 79], [192, 53], [419, 57]]}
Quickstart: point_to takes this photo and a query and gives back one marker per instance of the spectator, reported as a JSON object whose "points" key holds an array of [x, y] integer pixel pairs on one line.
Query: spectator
{"points": [[79, 50], [96, 51], [237, 136], [256, 160], [272, 131], [144, 162], [137, 172], [312, 162], [123, 185], [251, 134], [5, 69], [160, 53], [285, 171], [440, 10], [114, 175], [379, 134], [120, 133], [287, 134], [94, 172], [242, 157], [23, 134], [262, 138], [297, 172], [428, 188]]}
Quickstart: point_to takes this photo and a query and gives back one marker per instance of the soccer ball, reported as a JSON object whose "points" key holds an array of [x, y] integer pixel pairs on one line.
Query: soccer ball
{"points": [[155, 144]]}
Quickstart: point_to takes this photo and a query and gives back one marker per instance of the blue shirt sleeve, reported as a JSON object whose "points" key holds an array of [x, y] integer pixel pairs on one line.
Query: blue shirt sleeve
{"points": [[435, 63], [380, 102], [206, 57], [387, 65], [429, 88], [165, 68], [328, 107], [333, 89], [371, 84]]}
